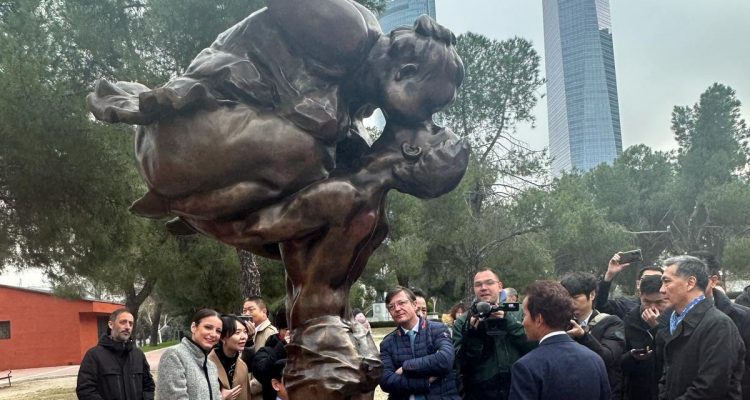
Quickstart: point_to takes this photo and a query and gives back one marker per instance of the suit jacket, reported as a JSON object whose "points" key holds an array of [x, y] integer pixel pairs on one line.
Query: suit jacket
{"points": [[559, 369]]}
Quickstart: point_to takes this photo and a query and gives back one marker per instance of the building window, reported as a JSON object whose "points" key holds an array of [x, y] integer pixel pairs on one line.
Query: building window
{"points": [[4, 330]]}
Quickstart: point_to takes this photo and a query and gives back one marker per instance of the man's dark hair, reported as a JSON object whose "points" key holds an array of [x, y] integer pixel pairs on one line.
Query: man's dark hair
{"points": [[485, 269], [579, 283], [651, 284], [398, 289], [419, 293], [688, 266], [259, 301], [552, 301], [279, 317], [116, 313], [277, 369], [712, 264], [643, 270]]}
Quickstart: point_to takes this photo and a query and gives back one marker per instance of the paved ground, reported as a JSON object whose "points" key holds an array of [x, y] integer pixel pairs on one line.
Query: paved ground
{"points": [[58, 383], [21, 375]]}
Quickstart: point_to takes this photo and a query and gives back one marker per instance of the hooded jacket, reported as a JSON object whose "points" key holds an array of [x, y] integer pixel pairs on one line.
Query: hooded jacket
{"points": [[114, 371]]}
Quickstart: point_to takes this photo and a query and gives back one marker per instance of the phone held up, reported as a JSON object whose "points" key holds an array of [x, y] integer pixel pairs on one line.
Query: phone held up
{"points": [[627, 257]]}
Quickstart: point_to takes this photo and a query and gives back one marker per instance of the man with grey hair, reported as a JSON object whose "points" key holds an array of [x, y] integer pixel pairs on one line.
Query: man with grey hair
{"points": [[703, 351]]}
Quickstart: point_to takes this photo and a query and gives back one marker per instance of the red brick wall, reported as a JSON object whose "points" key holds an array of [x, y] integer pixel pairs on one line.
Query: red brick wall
{"points": [[47, 331]]}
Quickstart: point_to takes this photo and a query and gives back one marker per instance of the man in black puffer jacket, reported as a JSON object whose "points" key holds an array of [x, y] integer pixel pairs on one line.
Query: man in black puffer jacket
{"points": [[115, 369]]}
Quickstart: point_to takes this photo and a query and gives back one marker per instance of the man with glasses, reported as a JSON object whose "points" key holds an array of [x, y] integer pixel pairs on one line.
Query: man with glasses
{"points": [[418, 355], [487, 348]]}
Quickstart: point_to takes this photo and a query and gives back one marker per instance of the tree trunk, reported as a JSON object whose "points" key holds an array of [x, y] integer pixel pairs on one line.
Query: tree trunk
{"points": [[134, 300], [156, 318], [250, 274]]}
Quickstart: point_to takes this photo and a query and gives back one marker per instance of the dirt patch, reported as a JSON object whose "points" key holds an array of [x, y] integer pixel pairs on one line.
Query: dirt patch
{"points": [[65, 389], [47, 389]]}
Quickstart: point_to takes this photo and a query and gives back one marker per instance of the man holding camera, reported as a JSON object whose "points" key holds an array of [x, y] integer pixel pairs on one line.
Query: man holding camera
{"points": [[487, 345]]}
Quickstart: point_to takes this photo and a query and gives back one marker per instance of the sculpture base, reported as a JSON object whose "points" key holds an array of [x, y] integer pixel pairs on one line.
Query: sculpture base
{"points": [[333, 359]]}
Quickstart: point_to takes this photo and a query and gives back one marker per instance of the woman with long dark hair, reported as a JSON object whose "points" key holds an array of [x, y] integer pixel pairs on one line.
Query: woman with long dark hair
{"points": [[184, 370], [234, 380]]}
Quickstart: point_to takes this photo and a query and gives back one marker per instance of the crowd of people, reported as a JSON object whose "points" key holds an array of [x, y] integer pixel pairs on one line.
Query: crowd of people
{"points": [[680, 337]]}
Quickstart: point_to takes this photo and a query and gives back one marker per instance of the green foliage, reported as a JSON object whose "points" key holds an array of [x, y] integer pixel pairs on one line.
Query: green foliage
{"points": [[737, 256], [499, 92]]}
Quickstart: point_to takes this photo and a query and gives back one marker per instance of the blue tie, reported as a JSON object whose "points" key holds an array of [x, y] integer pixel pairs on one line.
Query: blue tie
{"points": [[412, 337]]}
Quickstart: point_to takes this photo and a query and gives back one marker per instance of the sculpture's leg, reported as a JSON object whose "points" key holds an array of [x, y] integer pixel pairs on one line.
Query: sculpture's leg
{"points": [[332, 358]]}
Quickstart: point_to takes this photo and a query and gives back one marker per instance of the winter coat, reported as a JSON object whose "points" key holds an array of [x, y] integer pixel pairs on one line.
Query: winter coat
{"points": [[640, 377], [186, 374], [274, 350], [619, 307], [241, 376], [484, 360], [740, 315], [263, 331], [114, 371], [605, 336], [432, 357], [704, 358]]}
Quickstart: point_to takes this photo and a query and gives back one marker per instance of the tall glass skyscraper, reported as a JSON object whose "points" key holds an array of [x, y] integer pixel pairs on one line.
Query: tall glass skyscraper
{"points": [[404, 13], [584, 116]]}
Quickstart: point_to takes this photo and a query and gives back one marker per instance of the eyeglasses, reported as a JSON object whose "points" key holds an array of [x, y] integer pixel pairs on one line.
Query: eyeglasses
{"points": [[488, 282], [400, 303]]}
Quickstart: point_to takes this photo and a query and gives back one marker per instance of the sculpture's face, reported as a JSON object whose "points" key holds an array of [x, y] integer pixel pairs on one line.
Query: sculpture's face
{"points": [[419, 77], [435, 160], [418, 90]]}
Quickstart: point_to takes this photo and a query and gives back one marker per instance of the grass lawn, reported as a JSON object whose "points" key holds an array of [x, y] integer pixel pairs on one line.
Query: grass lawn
{"points": [[162, 345]]}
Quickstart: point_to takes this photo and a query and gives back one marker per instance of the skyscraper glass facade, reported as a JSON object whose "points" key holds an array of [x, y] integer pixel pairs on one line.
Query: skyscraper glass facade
{"points": [[404, 13], [584, 116]]}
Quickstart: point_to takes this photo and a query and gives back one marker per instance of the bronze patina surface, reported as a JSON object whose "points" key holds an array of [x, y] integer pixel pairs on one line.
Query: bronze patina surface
{"points": [[260, 144]]}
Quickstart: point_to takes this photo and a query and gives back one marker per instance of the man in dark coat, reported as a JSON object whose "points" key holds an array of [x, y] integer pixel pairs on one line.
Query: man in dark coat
{"points": [[604, 334], [641, 364], [704, 356], [739, 314], [620, 306], [560, 368], [418, 355], [115, 369]]}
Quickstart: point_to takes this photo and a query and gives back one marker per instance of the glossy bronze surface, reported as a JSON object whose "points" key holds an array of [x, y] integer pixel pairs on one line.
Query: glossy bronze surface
{"points": [[260, 145]]}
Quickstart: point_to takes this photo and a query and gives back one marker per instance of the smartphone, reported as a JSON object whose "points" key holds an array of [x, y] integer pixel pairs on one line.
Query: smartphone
{"points": [[245, 318], [627, 257]]}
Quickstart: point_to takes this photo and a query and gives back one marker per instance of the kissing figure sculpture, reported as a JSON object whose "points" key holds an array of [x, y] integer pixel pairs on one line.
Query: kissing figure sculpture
{"points": [[260, 145]]}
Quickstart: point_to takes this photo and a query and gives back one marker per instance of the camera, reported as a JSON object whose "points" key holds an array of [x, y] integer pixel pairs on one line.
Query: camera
{"points": [[627, 257], [245, 318], [482, 309]]}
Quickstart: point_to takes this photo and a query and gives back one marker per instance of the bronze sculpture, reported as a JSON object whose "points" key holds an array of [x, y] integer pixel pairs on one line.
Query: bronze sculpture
{"points": [[260, 145]]}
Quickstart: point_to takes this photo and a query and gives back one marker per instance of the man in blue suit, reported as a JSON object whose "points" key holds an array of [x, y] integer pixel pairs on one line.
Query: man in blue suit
{"points": [[560, 368], [418, 355]]}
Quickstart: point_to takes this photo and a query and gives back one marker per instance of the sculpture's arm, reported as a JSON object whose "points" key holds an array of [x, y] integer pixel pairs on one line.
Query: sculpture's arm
{"points": [[325, 204], [336, 31]]}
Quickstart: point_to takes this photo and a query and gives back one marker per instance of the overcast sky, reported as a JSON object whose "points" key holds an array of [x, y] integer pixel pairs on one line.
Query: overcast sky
{"points": [[667, 52]]}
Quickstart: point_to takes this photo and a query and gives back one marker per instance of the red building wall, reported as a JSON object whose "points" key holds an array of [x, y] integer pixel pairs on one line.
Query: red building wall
{"points": [[45, 330]]}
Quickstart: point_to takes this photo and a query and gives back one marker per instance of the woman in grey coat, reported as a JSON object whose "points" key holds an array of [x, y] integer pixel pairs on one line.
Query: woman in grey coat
{"points": [[185, 373]]}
